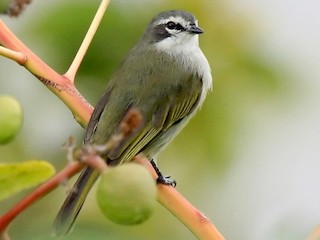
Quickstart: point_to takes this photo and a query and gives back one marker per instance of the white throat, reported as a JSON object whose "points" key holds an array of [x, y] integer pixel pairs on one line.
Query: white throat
{"points": [[184, 47], [178, 43]]}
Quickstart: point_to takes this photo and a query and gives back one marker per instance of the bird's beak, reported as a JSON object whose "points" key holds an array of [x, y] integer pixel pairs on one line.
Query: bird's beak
{"points": [[195, 29]]}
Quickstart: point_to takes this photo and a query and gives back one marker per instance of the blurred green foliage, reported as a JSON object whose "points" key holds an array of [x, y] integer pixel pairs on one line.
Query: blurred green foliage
{"points": [[205, 148]]}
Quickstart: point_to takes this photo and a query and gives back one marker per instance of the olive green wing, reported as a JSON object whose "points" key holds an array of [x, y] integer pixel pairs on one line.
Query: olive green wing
{"points": [[169, 108]]}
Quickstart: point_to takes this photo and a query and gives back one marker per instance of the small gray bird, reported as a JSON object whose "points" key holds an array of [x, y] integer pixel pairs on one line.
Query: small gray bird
{"points": [[166, 77]]}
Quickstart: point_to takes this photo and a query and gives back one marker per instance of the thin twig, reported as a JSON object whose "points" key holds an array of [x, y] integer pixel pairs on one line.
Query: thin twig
{"points": [[13, 55], [71, 73]]}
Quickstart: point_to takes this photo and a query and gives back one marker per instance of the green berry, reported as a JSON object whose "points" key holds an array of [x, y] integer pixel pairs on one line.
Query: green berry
{"points": [[10, 118], [127, 194]]}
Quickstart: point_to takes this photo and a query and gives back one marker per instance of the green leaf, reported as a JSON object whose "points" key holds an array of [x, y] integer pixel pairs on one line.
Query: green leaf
{"points": [[19, 176]]}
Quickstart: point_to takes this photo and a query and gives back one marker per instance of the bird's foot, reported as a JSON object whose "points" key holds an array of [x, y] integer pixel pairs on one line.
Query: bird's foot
{"points": [[166, 180]]}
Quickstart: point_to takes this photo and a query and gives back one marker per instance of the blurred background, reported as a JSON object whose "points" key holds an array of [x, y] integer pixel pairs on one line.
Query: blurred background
{"points": [[250, 158]]}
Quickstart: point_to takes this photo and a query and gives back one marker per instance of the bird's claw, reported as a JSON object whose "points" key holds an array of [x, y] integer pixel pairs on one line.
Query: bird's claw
{"points": [[166, 180]]}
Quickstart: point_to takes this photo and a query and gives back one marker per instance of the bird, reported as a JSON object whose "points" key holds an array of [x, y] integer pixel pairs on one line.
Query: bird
{"points": [[166, 77]]}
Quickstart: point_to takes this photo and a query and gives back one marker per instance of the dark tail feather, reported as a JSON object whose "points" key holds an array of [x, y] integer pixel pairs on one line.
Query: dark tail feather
{"points": [[67, 215]]}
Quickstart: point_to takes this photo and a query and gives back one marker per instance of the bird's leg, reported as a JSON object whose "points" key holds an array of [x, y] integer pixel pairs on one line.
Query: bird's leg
{"points": [[163, 179]]}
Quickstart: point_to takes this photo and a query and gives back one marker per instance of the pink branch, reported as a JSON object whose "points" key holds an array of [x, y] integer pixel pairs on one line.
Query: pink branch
{"points": [[58, 84], [180, 207]]}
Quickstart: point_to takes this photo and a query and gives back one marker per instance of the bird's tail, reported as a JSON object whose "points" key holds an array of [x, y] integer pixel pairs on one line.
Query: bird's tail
{"points": [[67, 215]]}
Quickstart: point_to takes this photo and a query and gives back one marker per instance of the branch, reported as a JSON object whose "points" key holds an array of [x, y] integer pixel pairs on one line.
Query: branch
{"points": [[193, 219], [61, 86], [58, 84], [172, 200]]}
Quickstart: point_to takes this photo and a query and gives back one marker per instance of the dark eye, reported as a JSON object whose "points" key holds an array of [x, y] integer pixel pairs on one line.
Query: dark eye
{"points": [[171, 25]]}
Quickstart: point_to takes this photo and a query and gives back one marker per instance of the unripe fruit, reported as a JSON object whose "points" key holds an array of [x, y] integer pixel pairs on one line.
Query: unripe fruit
{"points": [[10, 118], [127, 194]]}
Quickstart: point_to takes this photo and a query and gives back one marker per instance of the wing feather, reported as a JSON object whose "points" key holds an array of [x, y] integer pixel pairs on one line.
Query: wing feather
{"points": [[169, 111]]}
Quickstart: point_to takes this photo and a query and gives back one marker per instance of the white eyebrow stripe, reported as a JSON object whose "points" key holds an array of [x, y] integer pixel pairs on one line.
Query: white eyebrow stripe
{"points": [[177, 19]]}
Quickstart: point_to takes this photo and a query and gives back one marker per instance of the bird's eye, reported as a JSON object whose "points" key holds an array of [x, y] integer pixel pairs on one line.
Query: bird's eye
{"points": [[177, 26], [171, 25]]}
